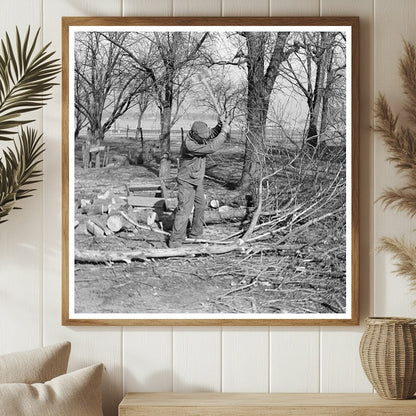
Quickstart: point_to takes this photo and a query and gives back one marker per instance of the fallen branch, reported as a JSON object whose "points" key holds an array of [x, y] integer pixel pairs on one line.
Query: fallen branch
{"points": [[295, 231], [96, 256], [203, 241]]}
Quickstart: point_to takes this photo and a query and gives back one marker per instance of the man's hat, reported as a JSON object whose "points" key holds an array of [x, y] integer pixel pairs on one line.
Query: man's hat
{"points": [[201, 129]]}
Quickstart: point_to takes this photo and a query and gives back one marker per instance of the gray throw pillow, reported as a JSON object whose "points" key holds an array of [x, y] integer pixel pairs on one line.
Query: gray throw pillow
{"points": [[73, 394], [35, 366]]}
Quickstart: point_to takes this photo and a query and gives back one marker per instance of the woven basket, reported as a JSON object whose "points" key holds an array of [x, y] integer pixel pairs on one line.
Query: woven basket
{"points": [[388, 356]]}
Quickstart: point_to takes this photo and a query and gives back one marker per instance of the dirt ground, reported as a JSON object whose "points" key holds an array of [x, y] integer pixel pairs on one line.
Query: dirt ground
{"points": [[307, 277]]}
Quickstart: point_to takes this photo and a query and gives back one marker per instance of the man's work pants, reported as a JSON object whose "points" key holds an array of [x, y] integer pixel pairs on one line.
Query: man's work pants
{"points": [[189, 196]]}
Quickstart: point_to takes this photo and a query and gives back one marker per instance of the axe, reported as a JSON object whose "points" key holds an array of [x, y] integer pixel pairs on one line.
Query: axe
{"points": [[203, 77]]}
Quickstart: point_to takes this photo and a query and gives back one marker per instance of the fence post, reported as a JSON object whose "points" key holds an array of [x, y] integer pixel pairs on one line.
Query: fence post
{"points": [[97, 159], [85, 156]]}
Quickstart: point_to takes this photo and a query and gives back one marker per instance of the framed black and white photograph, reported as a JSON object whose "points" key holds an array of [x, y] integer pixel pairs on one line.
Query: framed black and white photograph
{"points": [[210, 171]]}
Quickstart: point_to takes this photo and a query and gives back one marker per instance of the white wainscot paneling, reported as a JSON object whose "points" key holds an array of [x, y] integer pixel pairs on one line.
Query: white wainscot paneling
{"points": [[341, 370], [147, 7], [294, 359], [245, 359], [294, 8], [197, 359], [196, 8], [245, 8], [147, 359]]}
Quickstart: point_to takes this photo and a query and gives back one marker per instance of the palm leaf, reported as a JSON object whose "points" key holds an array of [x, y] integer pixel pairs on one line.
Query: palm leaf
{"points": [[25, 79], [19, 169]]}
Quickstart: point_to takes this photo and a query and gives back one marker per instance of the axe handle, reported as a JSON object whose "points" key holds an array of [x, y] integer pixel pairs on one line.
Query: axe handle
{"points": [[211, 94]]}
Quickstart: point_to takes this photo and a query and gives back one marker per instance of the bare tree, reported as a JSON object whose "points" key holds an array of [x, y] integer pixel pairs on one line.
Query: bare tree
{"points": [[143, 102], [80, 118], [230, 94], [261, 55], [315, 70], [105, 86], [169, 59], [333, 101], [262, 71]]}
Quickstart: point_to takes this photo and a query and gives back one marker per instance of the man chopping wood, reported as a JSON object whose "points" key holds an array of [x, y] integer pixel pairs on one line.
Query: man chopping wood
{"points": [[198, 143]]}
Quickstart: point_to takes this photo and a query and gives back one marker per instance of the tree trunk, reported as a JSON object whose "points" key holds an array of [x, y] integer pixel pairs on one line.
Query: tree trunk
{"points": [[327, 94], [257, 107], [314, 103], [254, 159], [97, 134], [261, 81], [139, 125], [312, 134], [164, 139]]}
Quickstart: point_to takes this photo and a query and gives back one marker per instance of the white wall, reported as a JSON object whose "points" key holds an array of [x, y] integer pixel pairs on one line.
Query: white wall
{"points": [[309, 359]]}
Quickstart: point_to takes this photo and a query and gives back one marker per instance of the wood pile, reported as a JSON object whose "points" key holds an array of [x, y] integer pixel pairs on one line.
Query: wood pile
{"points": [[143, 206]]}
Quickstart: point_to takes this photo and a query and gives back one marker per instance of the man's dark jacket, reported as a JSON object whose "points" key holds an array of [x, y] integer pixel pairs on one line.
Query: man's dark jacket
{"points": [[193, 154]]}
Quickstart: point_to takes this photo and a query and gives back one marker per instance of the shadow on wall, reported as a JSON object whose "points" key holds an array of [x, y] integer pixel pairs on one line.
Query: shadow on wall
{"points": [[160, 381]]}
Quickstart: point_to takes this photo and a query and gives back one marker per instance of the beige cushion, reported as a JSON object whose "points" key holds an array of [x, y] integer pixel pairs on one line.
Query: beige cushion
{"points": [[73, 394], [35, 366]]}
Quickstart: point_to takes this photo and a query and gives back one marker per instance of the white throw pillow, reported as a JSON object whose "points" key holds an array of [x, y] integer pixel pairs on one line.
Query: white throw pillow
{"points": [[35, 366], [73, 394]]}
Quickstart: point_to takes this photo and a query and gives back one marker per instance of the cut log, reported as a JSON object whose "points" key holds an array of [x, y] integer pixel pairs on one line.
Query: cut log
{"points": [[134, 187], [141, 201], [224, 213], [140, 215], [81, 229], [113, 208], [92, 209], [95, 229], [115, 223], [95, 209]]}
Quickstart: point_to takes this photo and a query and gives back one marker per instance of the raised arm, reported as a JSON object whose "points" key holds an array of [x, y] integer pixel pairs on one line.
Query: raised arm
{"points": [[215, 131], [213, 144]]}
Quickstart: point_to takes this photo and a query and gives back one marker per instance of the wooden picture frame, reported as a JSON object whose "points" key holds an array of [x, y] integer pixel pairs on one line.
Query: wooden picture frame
{"points": [[105, 289]]}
